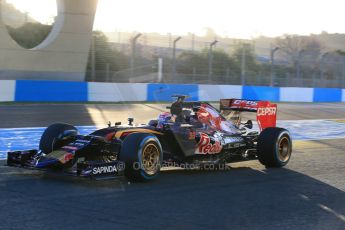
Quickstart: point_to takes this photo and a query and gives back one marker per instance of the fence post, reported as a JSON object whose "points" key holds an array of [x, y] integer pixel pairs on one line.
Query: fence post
{"points": [[107, 72], [243, 66], [93, 59], [160, 70], [133, 47]]}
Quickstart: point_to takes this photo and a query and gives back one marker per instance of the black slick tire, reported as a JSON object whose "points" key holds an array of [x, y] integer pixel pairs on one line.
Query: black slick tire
{"points": [[274, 147], [134, 153]]}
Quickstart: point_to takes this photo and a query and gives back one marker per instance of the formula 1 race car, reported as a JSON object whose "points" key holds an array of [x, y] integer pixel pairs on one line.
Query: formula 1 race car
{"points": [[191, 133]]}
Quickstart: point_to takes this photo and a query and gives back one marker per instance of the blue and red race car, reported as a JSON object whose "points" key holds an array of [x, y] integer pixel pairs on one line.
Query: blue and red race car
{"points": [[192, 134]]}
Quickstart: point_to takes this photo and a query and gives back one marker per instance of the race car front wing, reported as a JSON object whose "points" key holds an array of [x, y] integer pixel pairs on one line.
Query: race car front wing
{"points": [[91, 169]]}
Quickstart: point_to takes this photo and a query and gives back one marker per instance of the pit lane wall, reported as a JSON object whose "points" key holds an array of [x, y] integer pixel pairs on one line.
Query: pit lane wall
{"points": [[61, 91]]}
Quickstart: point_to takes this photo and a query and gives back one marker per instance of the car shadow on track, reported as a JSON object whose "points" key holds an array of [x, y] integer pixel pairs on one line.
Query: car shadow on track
{"points": [[239, 198]]}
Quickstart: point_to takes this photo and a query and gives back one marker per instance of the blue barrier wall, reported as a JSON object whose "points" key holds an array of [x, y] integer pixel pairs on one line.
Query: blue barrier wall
{"points": [[60, 91], [260, 93], [163, 92], [51, 91], [327, 95]]}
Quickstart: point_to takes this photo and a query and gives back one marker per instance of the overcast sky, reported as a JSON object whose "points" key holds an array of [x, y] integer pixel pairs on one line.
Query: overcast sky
{"points": [[240, 18]]}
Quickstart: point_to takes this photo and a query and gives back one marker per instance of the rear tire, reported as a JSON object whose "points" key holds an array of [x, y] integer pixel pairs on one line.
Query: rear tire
{"points": [[274, 147], [56, 136], [143, 156]]}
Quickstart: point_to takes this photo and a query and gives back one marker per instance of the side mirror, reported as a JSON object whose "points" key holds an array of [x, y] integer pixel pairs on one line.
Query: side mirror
{"points": [[249, 124]]}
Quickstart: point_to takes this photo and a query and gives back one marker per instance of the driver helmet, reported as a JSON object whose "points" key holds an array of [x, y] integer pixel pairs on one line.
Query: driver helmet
{"points": [[164, 118]]}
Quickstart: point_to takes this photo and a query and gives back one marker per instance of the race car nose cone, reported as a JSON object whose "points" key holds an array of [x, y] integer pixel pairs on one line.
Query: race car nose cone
{"points": [[44, 162]]}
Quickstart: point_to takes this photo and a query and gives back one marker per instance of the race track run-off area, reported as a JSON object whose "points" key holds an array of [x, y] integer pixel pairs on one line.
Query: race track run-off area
{"points": [[13, 139], [308, 193]]}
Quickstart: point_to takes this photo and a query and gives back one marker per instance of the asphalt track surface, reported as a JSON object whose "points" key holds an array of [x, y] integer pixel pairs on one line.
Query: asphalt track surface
{"points": [[307, 194]]}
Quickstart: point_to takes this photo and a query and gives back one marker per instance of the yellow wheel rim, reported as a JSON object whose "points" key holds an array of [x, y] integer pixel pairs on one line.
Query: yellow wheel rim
{"points": [[150, 159], [284, 150]]}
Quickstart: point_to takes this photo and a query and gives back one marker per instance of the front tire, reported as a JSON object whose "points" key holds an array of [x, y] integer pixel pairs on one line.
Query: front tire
{"points": [[274, 147], [143, 156], [56, 136]]}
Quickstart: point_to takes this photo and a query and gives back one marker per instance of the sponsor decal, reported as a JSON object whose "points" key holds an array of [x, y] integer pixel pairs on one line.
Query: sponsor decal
{"points": [[245, 103], [80, 143], [68, 157], [104, 169], [73, 148], [83, 141], [206, 147], [228, 140], [267, 111], [266, 115]]}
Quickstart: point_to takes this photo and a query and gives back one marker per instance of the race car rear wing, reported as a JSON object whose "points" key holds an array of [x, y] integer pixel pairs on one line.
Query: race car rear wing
{"points": [[266, 112]]}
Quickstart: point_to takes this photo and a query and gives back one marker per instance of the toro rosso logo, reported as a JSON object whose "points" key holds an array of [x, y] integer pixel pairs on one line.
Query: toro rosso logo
{"points": [[267, 111], [206, 147], [104, 169]]}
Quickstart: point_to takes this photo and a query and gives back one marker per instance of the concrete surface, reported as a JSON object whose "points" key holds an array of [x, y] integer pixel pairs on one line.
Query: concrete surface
{"points": [[307, 194], [62, 55]]}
